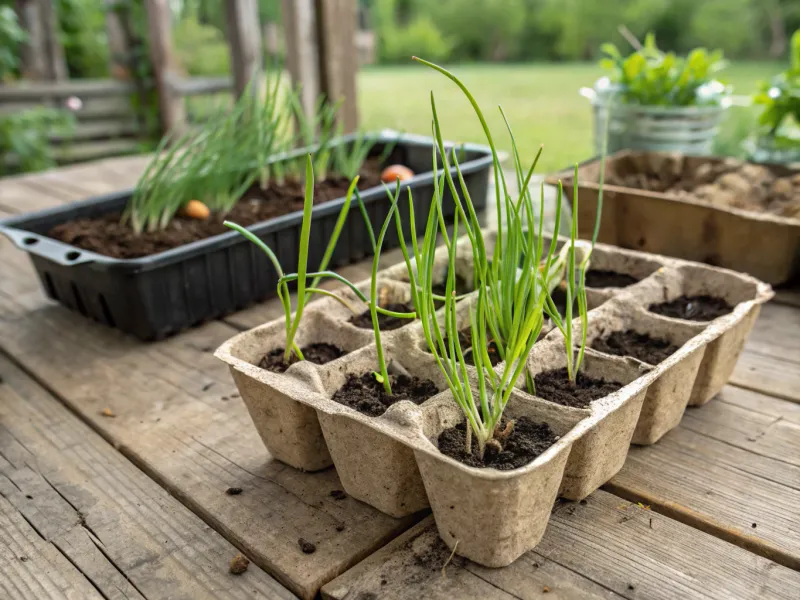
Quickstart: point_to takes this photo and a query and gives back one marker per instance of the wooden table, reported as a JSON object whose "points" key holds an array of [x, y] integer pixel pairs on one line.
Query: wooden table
{"points": [[115, 458]]}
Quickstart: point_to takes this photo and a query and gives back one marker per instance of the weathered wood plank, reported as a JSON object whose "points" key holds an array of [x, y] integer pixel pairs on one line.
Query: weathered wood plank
{"points": [[32, 568], [123, 532], [34, 91], [776, 333], [768, 374], [788, 295], [177, 419], [770, 362], [729, 470], [411, 566], [603, 548]]}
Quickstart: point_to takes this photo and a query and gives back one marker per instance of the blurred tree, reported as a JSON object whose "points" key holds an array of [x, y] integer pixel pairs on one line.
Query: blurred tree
{"points": [[729, 25], [11, 36], [83, 35], [480, 29]]}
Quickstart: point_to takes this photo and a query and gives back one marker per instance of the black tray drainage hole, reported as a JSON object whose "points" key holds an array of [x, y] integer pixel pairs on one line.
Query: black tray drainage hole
{"points": [[78, 300], [106, 312], [30, 241], [51, 288], [73, 255]]}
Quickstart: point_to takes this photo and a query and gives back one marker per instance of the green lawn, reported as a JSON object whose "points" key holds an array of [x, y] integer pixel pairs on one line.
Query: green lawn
{"points": [[540, 100]]}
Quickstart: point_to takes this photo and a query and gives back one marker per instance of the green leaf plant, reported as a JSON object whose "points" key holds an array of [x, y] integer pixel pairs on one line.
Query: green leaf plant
{"points": [[780, 99], [651, 77], [305, 289]]}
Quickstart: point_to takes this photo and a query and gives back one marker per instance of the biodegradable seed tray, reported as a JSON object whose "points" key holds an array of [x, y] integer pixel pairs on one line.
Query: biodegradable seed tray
{"points": [[392, 461]]}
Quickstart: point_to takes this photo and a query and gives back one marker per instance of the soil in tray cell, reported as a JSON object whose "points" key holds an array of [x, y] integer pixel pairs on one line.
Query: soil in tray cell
{"points": [[520, 442], [556, 387], [559, 297], [106, 235], [692, 308], [465, 341], [609, 279], [638, 345], [461, 288], [319, 354], [385, 322], [366, 395]]}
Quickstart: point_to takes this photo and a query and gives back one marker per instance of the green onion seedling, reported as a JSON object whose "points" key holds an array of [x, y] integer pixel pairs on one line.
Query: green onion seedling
{"points": [[303, 290]]}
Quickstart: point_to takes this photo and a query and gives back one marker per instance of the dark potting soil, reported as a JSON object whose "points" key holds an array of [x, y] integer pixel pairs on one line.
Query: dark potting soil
{"points": [[385, 322], [319, 354], [693, 308], [638, 345], [441, 288], [554, 386], [465, 341], [608, 279], [559, 297], [364, 394], [106, 235], [528, 439]]}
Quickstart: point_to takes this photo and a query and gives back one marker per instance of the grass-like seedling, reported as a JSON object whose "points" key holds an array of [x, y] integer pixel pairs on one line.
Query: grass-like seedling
{"points": [[513, 286], [304, 291], [239, 147], [510, 300], [575, 289]]}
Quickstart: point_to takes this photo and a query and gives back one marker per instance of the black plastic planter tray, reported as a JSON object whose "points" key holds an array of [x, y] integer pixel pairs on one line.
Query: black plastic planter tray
{"points": [[161, 294]]}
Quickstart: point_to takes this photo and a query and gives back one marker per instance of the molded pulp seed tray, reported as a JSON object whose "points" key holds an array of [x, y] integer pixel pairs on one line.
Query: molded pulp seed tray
{"points": [[392, 461], [158, 295]]}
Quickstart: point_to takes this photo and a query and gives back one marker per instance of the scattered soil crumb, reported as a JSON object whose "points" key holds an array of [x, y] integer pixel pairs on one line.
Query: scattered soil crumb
{"points": [[23, 558], [306, 546], [239, 564], [631, 587], [233, 491], [338, 495], [340, 527]]}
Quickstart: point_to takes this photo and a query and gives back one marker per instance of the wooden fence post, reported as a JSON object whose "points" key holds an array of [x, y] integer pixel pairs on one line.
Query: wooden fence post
{"points": [[42, 53], [173, 111], [300, 33], [119, 44], [244, 41], [321, 53], [338, 56]]}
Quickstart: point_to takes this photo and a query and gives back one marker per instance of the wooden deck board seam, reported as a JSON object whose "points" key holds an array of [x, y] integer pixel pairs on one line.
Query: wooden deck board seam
{"points": [[705, 524]]}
